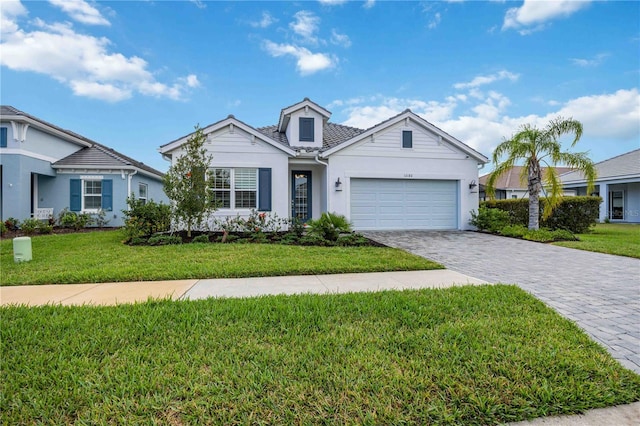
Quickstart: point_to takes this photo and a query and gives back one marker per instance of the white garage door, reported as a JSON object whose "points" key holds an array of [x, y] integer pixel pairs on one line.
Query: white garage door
{"points": [[404, 204]]}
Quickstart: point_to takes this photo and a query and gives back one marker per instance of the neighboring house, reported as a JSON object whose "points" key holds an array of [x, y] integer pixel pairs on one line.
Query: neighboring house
{"points": [[509, 184], [618, 183], [45, 169], [403, 173]]}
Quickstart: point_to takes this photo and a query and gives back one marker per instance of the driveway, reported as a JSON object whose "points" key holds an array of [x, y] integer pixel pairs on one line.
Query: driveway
{"points": [[600, 292]]}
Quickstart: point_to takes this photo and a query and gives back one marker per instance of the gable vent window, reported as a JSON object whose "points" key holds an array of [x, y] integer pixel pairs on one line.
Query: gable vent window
{"points": [[306, 129], [407, 139]]}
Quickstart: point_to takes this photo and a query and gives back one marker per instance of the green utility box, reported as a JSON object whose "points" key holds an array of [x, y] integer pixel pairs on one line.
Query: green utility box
{"points": [[22, 249]]}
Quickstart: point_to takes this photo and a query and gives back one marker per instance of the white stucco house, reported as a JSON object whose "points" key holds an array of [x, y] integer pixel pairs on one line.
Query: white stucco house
{"points": [[618, 183], [403, 173]]}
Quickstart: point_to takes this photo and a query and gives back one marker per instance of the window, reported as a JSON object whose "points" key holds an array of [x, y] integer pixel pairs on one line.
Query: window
{"points": [[142, 192], [306, 129], [407, 139], [245, 185], [3, 137], [92, 194], [222, 187], [515, 197]]}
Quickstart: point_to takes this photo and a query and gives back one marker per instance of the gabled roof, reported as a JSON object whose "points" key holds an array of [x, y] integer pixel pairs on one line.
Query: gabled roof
{"points": [[407, 114], [91, 155], [9, 113], [332, 134], [285, 113], [511, 178], [622, 166], [274, 140]]}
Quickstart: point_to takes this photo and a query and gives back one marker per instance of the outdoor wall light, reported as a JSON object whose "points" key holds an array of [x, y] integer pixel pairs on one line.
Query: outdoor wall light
{"points": [[338, 185], [472, 186]]}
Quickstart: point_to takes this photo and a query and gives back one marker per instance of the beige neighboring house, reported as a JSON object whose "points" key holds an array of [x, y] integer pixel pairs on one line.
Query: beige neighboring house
{"points": [[618, 183], [509, 184]]}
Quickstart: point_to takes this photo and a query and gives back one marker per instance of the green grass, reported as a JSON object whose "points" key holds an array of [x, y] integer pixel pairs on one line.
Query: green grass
{"points": [[466, 355], [101, 257], [611, 238]]}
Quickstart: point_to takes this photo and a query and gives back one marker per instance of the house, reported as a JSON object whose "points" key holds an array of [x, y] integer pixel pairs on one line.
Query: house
{"points": [[618, 183], [45, 169], [510, 184], [403, 173]]}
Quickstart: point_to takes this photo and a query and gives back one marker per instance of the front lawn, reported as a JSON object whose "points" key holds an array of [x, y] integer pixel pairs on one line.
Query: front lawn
{"points": [[101, 257], [464, 355], [611, 238]]}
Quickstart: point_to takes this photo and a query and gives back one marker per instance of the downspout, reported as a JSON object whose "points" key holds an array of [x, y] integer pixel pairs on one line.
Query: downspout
{"points": [[129, 176], [326, 169]]}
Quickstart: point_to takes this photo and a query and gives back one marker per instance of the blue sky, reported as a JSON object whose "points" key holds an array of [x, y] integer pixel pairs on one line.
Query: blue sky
{"points": [[136, 75]]}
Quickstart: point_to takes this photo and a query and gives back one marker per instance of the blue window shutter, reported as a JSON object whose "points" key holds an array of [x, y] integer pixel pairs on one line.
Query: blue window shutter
{"points": [[75, 202], [407, 139], [107, 194], [306, 129], [3, 137], [264, 190]]}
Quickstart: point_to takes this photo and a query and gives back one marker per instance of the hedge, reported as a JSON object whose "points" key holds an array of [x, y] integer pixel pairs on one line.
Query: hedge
{"points": [[576, 214]]}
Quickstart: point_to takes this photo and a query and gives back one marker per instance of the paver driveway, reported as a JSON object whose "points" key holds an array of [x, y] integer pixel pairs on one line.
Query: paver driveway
{"points": [[600, 292]]}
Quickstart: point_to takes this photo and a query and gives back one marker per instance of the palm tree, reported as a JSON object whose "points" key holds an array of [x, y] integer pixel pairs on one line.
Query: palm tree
{"points": [[537, 147]]}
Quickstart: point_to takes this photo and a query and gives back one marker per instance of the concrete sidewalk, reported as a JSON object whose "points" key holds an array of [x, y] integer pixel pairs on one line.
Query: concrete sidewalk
{"points": [[140, 291]]}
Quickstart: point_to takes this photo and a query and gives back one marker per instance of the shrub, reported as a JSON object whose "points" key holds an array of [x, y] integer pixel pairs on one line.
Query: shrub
{"points": [[83, 220], [29, 226], [352, 240], [516, 231], [67, 219], [12, 224], [145, 219], [3, 228], [289, 238], [575, 214], [201, 239], [545, 235], [100, 218], [312, 239], [164, 240], [489, 219], [329, 226], [45, 228]]}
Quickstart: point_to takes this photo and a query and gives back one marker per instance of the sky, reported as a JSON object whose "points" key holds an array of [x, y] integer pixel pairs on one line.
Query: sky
{"points": [[134, 75]]}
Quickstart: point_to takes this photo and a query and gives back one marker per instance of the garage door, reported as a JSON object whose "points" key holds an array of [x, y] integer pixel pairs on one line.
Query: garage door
{"points": [[404, 204]]}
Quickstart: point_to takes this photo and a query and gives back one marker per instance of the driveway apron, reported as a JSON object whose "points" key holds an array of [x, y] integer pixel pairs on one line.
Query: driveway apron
{"points": [[599, 292]]}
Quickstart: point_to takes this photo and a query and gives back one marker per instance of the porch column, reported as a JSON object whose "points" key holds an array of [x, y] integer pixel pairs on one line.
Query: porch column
{"points": [[604, 207]]}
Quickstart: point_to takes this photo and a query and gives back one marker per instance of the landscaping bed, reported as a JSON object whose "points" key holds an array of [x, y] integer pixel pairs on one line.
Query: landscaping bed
{"points": [[466, 355]]}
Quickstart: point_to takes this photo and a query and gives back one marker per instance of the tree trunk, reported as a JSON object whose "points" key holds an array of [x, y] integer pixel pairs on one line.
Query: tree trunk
{"points": [[534, 186]]}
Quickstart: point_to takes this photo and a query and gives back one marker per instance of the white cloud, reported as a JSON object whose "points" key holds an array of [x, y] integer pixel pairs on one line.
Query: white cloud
{"points": [[487, 79], [307, 61], [369, 4], [612, 117], [305, 25], [199, 4], [593, 62], [82, 62], [81, 11], [266, 21], [9, 12], [332, 2], [536, 13], [435, 21], [340, 39]]}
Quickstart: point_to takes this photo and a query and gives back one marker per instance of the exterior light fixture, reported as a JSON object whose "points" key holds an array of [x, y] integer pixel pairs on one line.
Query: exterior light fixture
{"points": [[338, 185]]}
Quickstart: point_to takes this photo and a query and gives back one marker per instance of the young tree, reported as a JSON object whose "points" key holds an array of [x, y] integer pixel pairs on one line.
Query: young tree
{"points": [[187, 186], [537, 147]]}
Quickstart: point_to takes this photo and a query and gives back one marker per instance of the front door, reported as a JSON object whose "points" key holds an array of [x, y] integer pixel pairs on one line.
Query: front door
{"points": [[301, 195], [616, 205]]}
